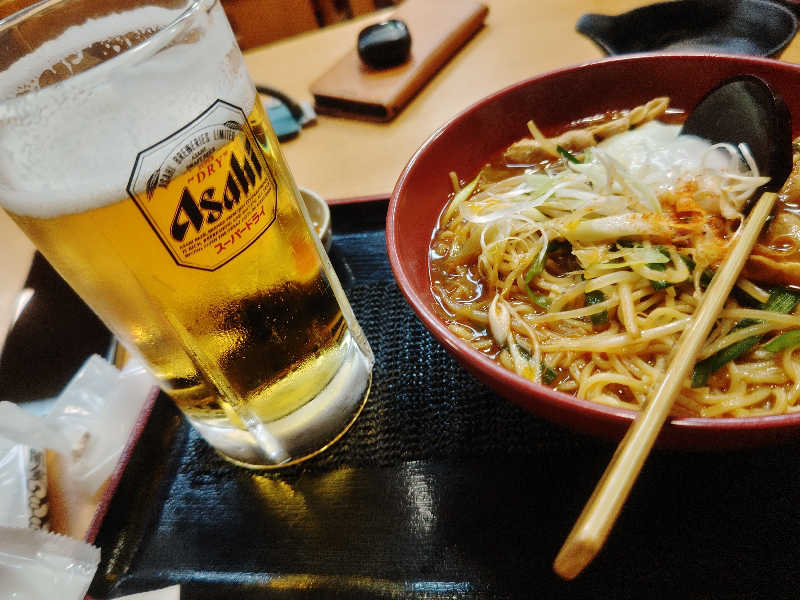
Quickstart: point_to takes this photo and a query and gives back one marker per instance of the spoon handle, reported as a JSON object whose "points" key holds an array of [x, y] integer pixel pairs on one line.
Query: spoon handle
{"points": [[601, 511]]}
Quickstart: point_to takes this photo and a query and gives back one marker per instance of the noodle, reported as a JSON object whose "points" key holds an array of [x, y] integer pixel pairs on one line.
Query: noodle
{"points": [[580, 264]]}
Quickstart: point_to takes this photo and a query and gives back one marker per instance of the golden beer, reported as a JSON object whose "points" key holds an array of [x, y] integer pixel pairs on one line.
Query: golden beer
{"points": [[204, 265]]}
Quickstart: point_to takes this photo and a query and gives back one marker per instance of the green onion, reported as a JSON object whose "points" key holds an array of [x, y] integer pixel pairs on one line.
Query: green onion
{"points": [[537, 299], [660, 285], [568, 155], [596, 297], [537, 266], [706, 277], [460, 196], [780, 300], [712, 364], [549, 374], [789, 339], [522, 352], [661, 267]]}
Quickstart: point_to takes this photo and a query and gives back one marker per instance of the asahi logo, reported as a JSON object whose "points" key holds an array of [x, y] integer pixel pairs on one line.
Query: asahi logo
{"points": [[207, 190], [242, 175]]}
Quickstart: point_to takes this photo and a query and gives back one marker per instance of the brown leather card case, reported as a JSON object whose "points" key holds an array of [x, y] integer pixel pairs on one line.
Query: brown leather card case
{"points": [[438, 29]]}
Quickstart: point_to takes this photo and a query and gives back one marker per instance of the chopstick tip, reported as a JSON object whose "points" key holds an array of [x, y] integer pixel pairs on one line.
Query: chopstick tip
{"points": [[573, 558]]}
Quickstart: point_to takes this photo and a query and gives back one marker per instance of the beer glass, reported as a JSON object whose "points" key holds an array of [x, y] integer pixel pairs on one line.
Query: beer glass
{"points": [[136, 155]]}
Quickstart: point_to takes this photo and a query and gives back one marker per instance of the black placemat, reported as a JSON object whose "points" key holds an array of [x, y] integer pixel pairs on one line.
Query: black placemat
{"points": [[422, 405], [440, 490]]}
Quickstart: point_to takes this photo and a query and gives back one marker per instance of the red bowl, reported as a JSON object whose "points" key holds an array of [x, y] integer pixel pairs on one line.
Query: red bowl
{"points": [[554, 99]]}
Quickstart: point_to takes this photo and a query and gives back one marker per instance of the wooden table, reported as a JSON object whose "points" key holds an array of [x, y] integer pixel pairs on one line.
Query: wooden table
{"points": [[342, 158]]}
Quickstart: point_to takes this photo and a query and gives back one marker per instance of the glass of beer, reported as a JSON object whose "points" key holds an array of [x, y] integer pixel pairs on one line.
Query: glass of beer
{"points": [[136, 155]]}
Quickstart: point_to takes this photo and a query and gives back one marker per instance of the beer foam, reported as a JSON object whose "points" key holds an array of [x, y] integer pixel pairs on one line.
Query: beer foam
{"points": [[71, 146], [68, 49]]}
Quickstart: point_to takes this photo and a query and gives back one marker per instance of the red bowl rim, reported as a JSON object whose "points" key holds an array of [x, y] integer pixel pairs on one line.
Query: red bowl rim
{"points": [[504, 377]]}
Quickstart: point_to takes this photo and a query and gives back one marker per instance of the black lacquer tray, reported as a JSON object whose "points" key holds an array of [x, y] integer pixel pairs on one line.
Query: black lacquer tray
{"points": [[440, 490]]}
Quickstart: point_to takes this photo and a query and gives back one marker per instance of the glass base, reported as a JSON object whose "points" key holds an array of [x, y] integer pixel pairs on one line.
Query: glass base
{"points": [[303, 433]]}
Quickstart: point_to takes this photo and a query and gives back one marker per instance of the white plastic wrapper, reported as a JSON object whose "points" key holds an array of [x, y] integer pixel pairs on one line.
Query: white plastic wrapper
{"points": [[37, 565], [22, 427], [90, 422], [23, 486], [96, 413]]}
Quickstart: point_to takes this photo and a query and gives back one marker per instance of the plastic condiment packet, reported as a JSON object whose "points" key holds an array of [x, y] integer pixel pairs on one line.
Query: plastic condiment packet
{"points": [[96, 413], [38, 565], [23, 486], [171, 593]]}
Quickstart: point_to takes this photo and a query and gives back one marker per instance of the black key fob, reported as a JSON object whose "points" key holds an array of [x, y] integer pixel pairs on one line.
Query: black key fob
{"points": [[384, 44]]}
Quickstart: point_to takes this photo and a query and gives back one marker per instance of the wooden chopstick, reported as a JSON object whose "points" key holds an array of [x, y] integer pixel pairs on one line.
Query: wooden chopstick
{"points": [[601, 511]]}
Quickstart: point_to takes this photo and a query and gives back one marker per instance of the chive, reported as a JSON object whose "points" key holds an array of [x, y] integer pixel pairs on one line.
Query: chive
{"points": [[780, 300], [595, 297], [701, 373], [706, 277], [659, 285], [783, 301], [712, 364], [534, 270], [661, 267], [537, 299], [662, 285], [549, 374], [459, 197], [745, 323], [568, 155], [788, 339], [537, 266]]}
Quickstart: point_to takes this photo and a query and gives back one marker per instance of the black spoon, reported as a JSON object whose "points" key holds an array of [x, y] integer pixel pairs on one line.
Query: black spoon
{"points": [[744, 109]]}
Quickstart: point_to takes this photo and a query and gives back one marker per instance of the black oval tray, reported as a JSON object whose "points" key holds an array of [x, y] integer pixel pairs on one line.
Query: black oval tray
{"points": [[753, 27]]}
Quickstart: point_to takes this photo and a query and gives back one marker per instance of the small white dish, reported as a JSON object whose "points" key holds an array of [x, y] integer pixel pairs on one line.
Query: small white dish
{"points": [[320, 215]]}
